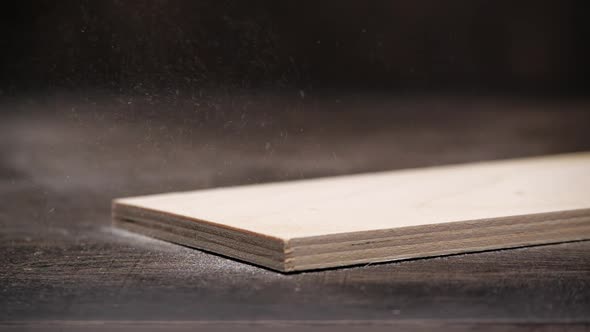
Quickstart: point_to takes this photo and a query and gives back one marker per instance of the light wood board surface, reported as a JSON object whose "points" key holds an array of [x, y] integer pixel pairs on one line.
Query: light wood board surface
{"points": [[365, 218]]}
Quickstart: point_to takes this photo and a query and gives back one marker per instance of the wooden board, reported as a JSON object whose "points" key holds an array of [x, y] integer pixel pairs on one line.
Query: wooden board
{"points": [[366, 218]]}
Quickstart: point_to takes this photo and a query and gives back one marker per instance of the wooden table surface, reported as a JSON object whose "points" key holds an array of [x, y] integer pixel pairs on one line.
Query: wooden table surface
{"points": [[63, 158]]}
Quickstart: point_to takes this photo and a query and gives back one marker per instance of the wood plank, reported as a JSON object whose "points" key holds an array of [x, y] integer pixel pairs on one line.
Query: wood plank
{"points": [[365, 218]]}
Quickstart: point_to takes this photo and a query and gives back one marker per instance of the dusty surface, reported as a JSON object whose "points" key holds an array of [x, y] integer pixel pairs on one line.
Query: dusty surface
{"points": [[63, 159]]}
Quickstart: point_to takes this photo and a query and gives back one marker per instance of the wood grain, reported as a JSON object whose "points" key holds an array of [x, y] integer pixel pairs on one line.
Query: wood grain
{"points": [[376, 217]]}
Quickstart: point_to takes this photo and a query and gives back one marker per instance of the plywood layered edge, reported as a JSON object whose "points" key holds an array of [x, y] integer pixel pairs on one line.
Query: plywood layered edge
{"points": [[243, 245], [365, 247]]}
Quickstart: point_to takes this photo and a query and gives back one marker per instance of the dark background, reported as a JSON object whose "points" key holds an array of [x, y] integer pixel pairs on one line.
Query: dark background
{"points": [[105, 99], [532, 47]]}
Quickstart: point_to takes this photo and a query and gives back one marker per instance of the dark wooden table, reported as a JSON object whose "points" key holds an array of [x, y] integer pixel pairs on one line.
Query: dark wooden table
{"points": [[63, 158]]}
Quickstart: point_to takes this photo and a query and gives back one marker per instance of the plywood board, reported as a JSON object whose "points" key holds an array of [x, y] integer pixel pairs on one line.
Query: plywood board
{"points": [[377, 217]]}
